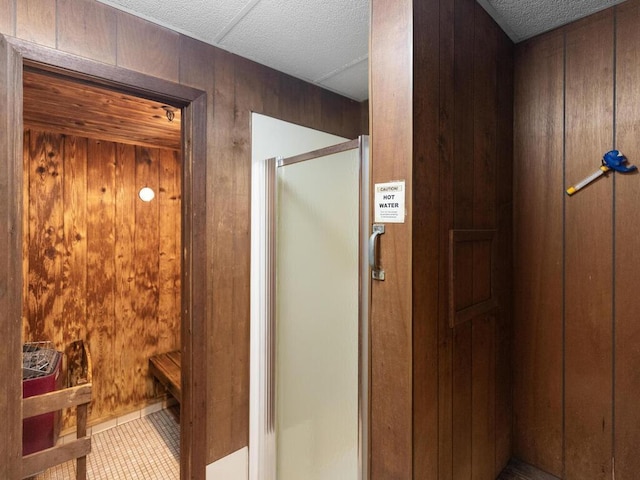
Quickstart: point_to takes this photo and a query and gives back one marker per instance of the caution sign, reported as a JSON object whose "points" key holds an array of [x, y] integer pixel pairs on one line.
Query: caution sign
{"points": [[389, 202]]}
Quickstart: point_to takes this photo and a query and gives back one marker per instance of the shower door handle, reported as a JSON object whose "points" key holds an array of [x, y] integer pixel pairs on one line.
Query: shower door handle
{"points": [[377, 273]]}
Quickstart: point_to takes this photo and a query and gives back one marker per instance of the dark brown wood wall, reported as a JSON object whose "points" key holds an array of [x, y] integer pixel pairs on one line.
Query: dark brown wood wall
{"points": [[100, 265], [235, 88], [576, 325], [442, 118]]}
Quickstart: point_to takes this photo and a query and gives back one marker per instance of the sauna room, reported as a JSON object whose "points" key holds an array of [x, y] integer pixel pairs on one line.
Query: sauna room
{"points": [[505, 332], [101, 252]]}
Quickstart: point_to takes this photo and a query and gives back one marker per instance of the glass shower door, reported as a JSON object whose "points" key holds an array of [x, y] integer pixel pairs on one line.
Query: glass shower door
{"points": [[320, 327]]}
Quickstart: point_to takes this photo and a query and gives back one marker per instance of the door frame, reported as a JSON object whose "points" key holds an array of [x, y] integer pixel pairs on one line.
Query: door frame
{"points": [[262, 402], [18, 55]]}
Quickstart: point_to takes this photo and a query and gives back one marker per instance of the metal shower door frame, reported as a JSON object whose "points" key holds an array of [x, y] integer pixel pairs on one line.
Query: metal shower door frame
{"points": [[268, 449]]}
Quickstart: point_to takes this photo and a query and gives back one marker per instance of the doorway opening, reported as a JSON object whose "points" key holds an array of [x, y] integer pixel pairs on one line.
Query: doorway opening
{"points": [[101, 261], [21, 60]]}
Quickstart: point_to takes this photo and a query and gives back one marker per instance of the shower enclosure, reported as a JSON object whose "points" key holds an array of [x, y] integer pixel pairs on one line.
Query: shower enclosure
{"points": [[316, 323]]}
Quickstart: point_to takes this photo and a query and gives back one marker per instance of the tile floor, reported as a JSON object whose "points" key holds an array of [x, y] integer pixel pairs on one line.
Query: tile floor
{"points": [[146, 448]]}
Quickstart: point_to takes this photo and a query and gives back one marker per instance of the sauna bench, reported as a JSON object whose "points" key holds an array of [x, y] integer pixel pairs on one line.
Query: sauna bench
{"points": [[166, 369]]}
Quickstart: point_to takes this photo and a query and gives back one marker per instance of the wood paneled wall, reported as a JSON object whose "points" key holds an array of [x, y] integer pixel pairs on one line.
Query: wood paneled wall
{"points": [[576, 328], [441, 117], [101, 265], [235, 88]]}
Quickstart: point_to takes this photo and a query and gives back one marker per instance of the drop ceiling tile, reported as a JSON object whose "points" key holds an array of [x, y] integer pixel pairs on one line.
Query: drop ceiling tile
{"points": [[352, 82], [306, 39], [199, 19], [526, 18]]}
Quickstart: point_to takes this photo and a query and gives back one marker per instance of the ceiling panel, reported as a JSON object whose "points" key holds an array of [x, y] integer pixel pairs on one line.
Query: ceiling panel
{"points": [[325, 41], [302, 38], [200, 19], [527, 18], [352, 82]]}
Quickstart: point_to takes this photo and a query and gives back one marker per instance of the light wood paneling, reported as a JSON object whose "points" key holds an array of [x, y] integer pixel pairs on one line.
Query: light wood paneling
{"points": [[88, 29], [36, 21], [147, 48], [45, 237], [588, 251], [75, 237], [538, 258], [101, 287], [63, 105], [125, 277], [169, 198], [99, 267]]}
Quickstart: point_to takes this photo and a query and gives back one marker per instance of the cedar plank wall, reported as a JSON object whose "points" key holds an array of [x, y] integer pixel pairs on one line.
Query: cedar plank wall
{"points": [[576, 329], [441, 118], [100, 264], [235, 88]]}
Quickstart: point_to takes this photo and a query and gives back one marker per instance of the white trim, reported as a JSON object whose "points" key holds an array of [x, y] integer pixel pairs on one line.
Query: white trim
{"points": [[258, 360], [231, 467]]}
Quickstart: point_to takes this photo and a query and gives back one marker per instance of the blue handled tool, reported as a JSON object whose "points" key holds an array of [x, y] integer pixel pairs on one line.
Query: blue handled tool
{"points": [[612, 160]]}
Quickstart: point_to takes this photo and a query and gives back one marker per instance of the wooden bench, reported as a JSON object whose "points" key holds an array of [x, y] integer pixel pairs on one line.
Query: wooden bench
{"points": [[166, 369]]}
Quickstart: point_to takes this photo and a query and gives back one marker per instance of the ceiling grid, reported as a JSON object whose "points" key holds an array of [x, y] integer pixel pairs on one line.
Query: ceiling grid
{"points": [[325, 42]]}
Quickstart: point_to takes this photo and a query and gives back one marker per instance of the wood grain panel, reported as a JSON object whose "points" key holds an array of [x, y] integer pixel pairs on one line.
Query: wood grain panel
{"points": [[62, 105], [463, 196], [538, 258], [484, 216], [26, 161], [588, 317], [87, 28], [146, 265], [483, 398], [10, 262], [46, 248], [36, 21], [101, 273], [7, 21], [229, 136], [128, 337], [462, 402], [425, 233], [74, 270], [74, 181], [627, 261], [504, 244], [446, 141], [147, 48], [391, 305], [114, 278], [169, 198]]}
